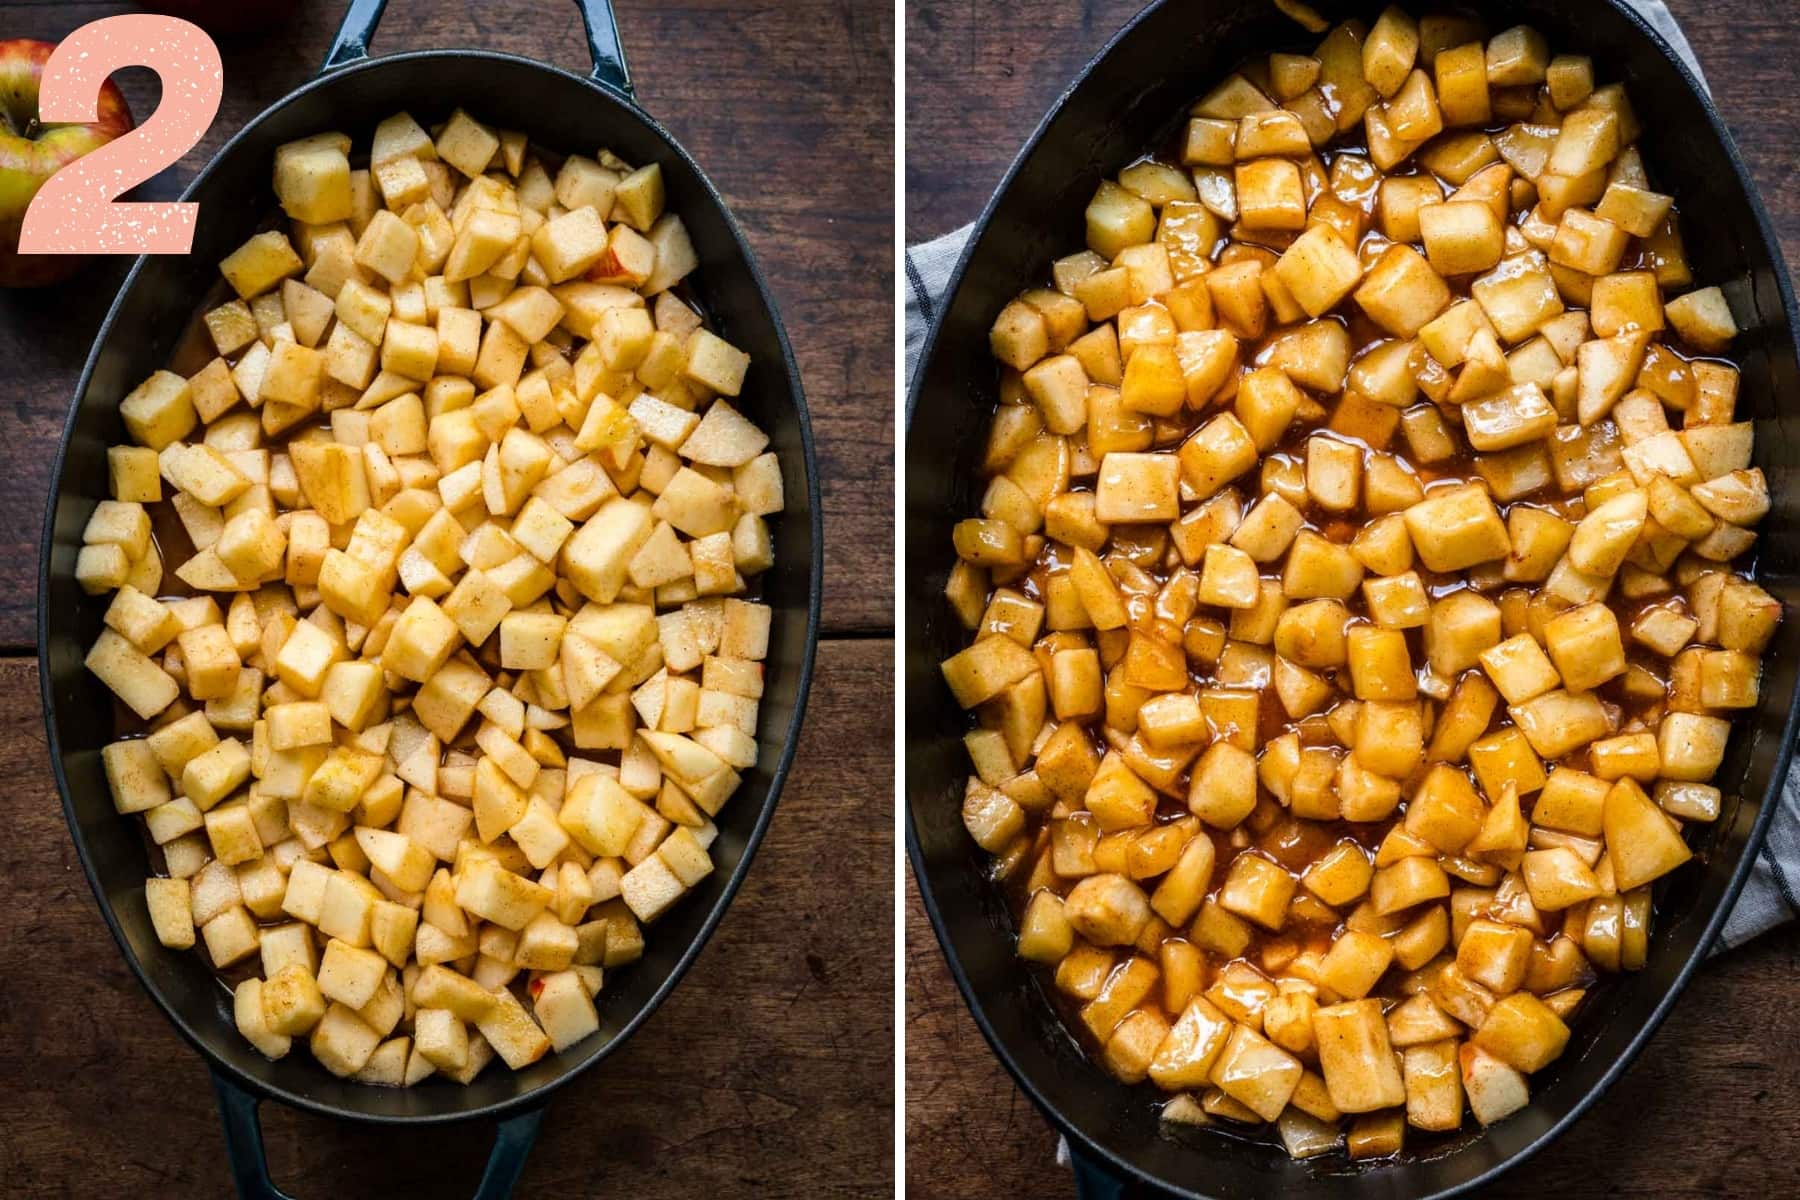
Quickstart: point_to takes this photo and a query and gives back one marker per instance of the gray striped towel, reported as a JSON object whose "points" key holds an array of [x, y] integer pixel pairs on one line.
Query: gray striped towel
{"points": [[1770, 897]]}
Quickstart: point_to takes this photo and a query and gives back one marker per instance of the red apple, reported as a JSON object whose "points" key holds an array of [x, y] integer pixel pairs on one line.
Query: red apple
{"points": [[31, 152]]}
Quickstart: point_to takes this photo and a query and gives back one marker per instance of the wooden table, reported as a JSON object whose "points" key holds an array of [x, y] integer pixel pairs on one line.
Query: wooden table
{"points": [[769, 1070], [1712, 1108]]}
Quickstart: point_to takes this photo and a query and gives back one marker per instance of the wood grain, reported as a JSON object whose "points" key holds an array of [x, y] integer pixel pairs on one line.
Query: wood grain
{"points": [[768, 1071], [789, 107], [1709, 1107]]}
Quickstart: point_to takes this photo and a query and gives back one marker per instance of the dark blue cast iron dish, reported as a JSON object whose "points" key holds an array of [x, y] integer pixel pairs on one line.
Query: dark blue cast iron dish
{"points": [[1121, 103]]}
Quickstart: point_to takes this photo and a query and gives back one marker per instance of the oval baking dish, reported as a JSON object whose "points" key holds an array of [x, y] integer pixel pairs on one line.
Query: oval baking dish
{"points": [[1121, 103]]}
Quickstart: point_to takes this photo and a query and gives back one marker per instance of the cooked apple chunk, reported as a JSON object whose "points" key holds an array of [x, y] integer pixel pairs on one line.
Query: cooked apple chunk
{"points": [[1456, 528], [1319, 270], [1289, 404], [1107, 910], [1704, 319], [1137, 487]]}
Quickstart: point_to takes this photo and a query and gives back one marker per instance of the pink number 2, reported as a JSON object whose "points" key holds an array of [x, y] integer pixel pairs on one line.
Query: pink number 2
{"points": [[76, 211]]}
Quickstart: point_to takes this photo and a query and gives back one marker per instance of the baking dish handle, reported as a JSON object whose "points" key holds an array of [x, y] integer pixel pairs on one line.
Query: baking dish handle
{"points": [[354, 32], [250, 1163], [608, 52]]}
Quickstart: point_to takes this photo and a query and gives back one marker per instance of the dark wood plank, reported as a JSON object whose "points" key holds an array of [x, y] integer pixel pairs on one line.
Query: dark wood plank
{"points": [[769, 1070], [1714, 1082], [1747, 52], [788, 106]]}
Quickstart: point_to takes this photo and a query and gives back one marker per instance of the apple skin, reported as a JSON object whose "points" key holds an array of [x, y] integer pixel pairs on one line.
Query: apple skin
{"points": [[30, 155]]}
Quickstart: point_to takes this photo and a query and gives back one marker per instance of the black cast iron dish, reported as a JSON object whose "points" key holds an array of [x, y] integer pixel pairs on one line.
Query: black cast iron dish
{"points": [[561, 111], [1121, 103]]}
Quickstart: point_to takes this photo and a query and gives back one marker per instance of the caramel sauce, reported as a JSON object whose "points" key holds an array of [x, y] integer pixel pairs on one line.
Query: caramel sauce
{"points": [[1270, 831]]}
